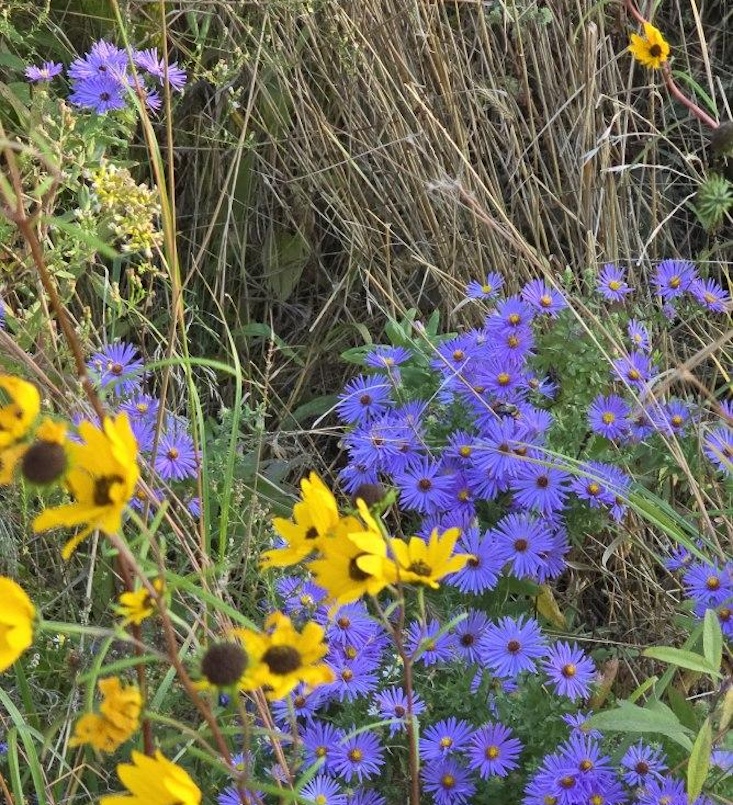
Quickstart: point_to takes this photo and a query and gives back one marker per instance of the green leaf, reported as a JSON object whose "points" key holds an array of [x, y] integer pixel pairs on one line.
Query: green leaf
{"points": [[712, 638], [699, 763], [682, 659], [682, 708], [284, 256], [632, 718]]}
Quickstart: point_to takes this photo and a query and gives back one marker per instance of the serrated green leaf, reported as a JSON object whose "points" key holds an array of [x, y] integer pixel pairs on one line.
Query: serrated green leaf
{"points": [[682, 659], [631, 718], [699, 763], [712, 638]]}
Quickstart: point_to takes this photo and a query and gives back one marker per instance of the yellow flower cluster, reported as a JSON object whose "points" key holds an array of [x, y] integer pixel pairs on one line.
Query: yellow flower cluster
{"points": [[350, 555], [137, 605], [132, 208], [118, 717], [100, 472]]}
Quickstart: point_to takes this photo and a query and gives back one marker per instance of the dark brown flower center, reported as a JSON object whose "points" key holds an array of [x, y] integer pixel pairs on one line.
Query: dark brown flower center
{"points": [[513, 646], [102, 488], [420, 568], [282, 660], [355, 572]]}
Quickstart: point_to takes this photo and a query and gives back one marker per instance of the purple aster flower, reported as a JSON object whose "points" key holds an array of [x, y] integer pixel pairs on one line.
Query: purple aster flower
{"points": [[302, 703], [554, 560], [708, 585], [635, 369], [117, 368], [663, 791], [718, 447], [710, 294], [578, 721], [608, 416], [602, 485], [511, 646], [176, 457], [569, 670], [450, 736], [320, 742], [511, 313], [583, 755], [233, 796], [540, 487], [488, 289], [392, 704], [433, 646], [301, 597], [640, 761], [673, 277], [141, 407], [103, 59], [354, 677], [356, 474], [673, 417], [604, 789], [522, 540], [481, 572], [679, 558], [612, 283], [641, 426], [543, 298], [102, 94], [45, 72], [352, 625], [500, 378], [639, 336], [495, 451], [388, 358], [149, 61], [493, 751], [468, 634], [448, 782], [460, 448], [423, 486], [532, 423], [366, 796], [323, 790], [373, 444], [144, 433], [722, 759], [364, 398], [359, 756], [554, 782], [513, 346]]}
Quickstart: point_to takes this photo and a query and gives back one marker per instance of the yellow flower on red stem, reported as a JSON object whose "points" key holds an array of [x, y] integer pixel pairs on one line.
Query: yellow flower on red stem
{"points": [[17, 614], [118, 718], [101, 478], [651, 50], [420, 562], [154, 781], [280, 657], [20, 404]]}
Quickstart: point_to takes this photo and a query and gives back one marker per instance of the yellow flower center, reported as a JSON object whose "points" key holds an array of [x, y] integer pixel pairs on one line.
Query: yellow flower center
{"points": [[448, 781], [173, 453], [545, 301], [446, 742], [614, 285], [458, 355], [593, 489], [356, 755], [569, 670], [492, 752], [486, 289], [514, 318], [503, 379], [585, 765], [712, 583], [608, 418], [464, 451]]}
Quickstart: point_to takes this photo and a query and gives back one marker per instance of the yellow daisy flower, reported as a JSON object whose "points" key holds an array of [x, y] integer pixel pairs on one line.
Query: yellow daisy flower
{"points": [[651, 50], [137, 605], [154, 781], [315, 516], [118, 718], [280, 657], [420, 562], [20, 404], [17, 614], [101, 479], [353, 564]]}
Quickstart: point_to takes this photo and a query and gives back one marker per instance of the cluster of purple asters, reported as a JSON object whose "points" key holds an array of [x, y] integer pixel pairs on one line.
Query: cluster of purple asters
{"points": [[104, 79], [119, 374], [484, 381]]}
